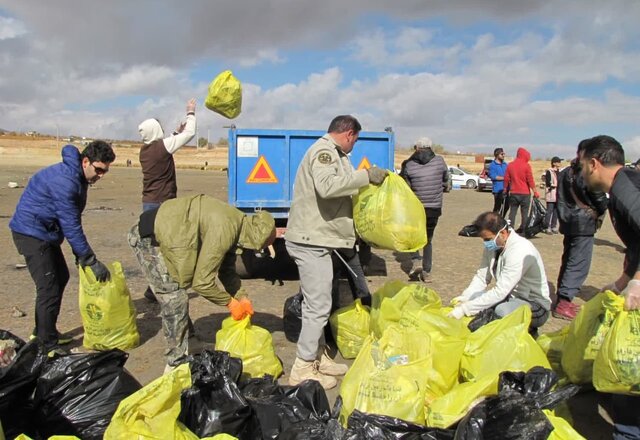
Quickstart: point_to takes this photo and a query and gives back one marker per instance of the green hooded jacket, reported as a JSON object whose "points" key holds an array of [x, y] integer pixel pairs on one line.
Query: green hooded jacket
{"points": [[198, 237]]}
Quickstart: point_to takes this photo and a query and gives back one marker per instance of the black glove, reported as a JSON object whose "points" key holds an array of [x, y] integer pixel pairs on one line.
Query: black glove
{"points": [[376, 175], [97, 267]]}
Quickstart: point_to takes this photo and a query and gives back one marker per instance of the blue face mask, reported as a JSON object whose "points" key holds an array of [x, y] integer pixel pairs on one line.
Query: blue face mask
{"points": [[492, 245]]}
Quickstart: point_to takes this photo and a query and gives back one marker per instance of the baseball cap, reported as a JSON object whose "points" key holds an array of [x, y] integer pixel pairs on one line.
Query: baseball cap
{"points": [[424, 142], [556, 159]]}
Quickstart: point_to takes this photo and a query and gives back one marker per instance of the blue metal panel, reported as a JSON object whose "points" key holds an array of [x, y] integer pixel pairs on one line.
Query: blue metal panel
{"points": [[283, 150]]}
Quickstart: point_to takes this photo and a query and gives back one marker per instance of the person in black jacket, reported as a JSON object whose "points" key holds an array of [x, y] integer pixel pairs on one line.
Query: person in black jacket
{"points": [[427, 175], [602, 163], [580, 214]]}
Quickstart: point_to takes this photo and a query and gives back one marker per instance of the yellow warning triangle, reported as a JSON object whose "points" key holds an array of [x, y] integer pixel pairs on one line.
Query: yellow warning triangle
{"points": [[262, 173], [364, 164]]}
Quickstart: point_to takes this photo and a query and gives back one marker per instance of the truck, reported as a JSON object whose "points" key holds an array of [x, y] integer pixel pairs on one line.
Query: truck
{"points": [[262, 169]]}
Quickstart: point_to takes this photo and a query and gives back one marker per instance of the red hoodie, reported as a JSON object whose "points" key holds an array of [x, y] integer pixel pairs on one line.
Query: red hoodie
{"points": [[518, 178]]}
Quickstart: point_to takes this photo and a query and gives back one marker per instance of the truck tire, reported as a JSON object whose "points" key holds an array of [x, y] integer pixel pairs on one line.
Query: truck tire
{"points": [[471, 184]]}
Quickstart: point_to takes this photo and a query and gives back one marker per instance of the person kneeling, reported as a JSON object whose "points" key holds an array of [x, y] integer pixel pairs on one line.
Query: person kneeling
{"points": [[515, 265]]}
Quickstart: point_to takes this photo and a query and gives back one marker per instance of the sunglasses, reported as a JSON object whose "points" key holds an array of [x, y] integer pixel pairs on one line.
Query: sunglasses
{"points": [[99, 171]]}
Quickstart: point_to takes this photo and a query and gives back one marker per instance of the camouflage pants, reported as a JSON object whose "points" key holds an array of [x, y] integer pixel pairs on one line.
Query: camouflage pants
{"points": [[174, 301]]}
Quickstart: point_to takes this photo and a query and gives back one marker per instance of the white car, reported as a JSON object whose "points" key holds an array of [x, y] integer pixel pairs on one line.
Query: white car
{"points": [[462, 178]]}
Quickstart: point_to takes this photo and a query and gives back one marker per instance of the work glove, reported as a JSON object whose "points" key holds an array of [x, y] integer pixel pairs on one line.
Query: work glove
{"points": [[457, 300], [376, 175], [100, 271], [632, 295], [236, 309], [247, 306], [536, 194], [191, 106], [456, 313]]}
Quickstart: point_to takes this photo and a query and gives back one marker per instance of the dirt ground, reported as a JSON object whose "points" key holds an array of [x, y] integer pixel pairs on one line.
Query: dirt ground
{"points": [[114, 203]]}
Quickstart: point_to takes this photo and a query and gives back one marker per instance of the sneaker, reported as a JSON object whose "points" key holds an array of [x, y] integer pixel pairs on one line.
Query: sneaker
{"points": [[565, 310], [548, 231], [304, 370], [63, 338], [555, 231], [329, 367], [425, 277], [414, 274], [149, 295]]}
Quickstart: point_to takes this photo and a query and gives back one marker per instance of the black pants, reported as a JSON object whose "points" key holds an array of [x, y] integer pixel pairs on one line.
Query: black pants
{"points": [[357, 283], [519, 200], [427, 251], [49, 272], [576, 262], [500, 204]]}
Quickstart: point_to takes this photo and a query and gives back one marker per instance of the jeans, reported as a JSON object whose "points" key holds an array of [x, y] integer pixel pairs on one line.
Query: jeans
{"points": [[427, 251], [576, 262], [50, 274], [500, 204], [519, 200], [551, 219], [148, 206]]}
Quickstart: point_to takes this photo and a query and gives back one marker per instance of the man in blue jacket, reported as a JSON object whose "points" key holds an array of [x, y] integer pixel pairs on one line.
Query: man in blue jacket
{"points": [[497, 168], [49, 211]]}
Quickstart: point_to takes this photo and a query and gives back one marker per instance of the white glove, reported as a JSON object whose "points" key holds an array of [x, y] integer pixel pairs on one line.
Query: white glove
{"points": [[611, 286], [632, 294], [456, 313]]}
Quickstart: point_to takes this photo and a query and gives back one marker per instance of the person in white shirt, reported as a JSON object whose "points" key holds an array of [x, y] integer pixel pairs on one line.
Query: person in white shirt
{"points": [[515, 265]]}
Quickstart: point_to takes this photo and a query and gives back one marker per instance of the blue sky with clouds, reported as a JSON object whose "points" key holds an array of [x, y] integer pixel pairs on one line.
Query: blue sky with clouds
{"points": [[470, 74]]}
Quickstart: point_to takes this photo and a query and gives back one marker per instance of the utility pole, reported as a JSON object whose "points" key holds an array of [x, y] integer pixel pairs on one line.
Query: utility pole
{"points": [[207, 138]]}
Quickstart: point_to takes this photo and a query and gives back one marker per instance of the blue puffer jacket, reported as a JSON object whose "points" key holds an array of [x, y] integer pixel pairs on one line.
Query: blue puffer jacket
{"points": [[51, 205]]}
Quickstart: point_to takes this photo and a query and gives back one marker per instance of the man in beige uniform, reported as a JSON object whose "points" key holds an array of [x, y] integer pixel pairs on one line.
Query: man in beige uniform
{"points": [[321, 220]]}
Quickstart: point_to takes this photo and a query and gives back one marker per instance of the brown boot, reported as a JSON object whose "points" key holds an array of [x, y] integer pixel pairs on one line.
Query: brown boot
{"points": [[304, 370], [329, 367]]}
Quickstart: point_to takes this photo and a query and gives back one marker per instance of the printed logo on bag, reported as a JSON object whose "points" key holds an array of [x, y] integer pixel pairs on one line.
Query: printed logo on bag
{"points": [[262, 172], [94, 312], [364, 164]]}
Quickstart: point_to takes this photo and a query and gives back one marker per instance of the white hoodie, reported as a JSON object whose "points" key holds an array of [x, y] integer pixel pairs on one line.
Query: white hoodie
{"points": [[519, 272], [150, 130]]}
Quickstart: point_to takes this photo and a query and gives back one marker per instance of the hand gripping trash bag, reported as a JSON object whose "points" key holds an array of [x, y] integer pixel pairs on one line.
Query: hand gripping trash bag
{"points": [[391, 300], [108, 314], [617, 365], [388, 376], [152, 412], [585, 337], [250, 343], [350, 327], [225, 95], [502, 345], [390, 216]]}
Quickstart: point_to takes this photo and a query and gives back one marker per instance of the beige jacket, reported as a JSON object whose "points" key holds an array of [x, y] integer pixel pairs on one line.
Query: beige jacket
{"points": [[321, 211]]}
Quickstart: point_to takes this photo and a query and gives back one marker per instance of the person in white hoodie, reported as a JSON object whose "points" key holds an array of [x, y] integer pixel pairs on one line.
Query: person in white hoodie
{"points": [[515, 265], [156, 158]]}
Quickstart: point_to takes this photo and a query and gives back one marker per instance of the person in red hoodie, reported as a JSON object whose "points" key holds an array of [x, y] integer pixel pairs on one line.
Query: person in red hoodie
{"points": [[518, 185]]}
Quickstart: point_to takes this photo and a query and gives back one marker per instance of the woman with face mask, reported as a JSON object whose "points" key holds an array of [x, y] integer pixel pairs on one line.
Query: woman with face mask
{"points": [[515, 266]]}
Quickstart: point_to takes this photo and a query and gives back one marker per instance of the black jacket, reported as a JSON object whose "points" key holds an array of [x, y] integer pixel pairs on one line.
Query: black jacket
{"points": [[624, 208], [575, 219], [427, 175]]}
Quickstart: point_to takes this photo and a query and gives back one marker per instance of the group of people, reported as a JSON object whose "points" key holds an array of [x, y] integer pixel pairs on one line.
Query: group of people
{"points": [[191, 242]]}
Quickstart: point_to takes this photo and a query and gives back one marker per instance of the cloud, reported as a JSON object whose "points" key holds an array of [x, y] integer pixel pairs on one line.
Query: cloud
{"points": [[11, 28]]}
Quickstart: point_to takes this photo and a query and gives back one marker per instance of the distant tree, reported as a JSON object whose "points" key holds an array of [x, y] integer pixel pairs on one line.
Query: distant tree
{"points": [[202, 142], [223, 142], [438, 149]]}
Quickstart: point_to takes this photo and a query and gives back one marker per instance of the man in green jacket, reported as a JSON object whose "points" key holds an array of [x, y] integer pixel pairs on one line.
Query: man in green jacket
{"points": [[191, 242]]}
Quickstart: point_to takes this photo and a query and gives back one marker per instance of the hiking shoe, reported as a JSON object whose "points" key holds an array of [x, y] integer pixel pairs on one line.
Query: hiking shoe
{"points": [[304, 370], [414, 274], [425, 277], [149, 295], [565, 310], [329, 367], [63, 338]]}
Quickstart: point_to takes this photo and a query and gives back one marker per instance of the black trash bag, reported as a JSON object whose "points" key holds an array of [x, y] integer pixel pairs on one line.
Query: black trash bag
{"points": [[77, 394], [258, 387], [290, 405], [214, 403], [533, 384], [292, 317], [482, 318], [210, 363], [508, 416], [311, 429], [18, 379], [536, 219], [469, 231], [361, 426]]}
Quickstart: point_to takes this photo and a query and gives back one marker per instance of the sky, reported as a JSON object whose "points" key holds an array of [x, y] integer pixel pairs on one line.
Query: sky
{"points": [[469, 74]]}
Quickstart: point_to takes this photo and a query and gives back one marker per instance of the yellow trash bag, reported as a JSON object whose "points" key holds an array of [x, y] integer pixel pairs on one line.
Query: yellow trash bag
{"points": [[552, 344], [562, 430], [53, 437], [502, 345], [448, 338], [617, 365], [390, 216], [108, 314], [453, 406], [388, 376], [152, 412], [585, 337], [350, 327], [225, 95], [390, 301], [250, 343]]}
